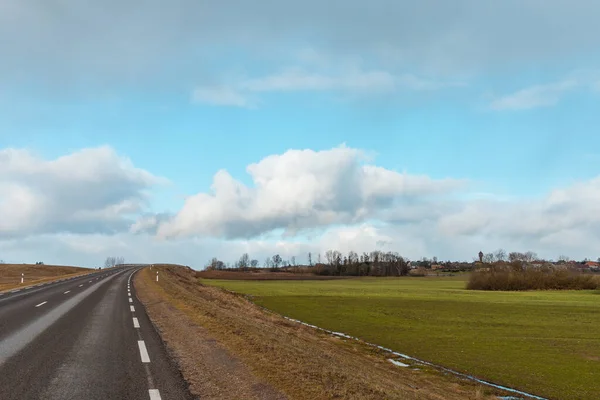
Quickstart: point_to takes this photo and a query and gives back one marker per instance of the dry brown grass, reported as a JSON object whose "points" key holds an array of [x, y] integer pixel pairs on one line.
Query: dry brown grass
{"points": [[515, 277], [258, 349], [10, 274]]}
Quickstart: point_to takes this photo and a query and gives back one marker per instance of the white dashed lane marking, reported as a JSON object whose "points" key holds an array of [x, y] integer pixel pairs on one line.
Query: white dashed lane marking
{"points": [[81, 285], [130, 300], [143, 351], [154, 394], [136, 323], [68, 291], [41, 304], [132, 308]]}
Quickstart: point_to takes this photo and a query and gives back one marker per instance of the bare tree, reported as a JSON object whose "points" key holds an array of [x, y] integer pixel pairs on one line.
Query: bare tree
{"points": [[254, 263], [489, 258], [215, 264], [113, 261], [500, 255], [268, 262], [365, 257], [310, 259], [293, 261], [277, 260], [514, 256], [375, 256], [531, 256], [329, 257], [244, 261], [109, 262], [352, 257]]}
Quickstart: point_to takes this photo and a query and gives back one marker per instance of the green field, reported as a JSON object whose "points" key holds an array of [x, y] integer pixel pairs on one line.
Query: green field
{"points": [[547, 343]]}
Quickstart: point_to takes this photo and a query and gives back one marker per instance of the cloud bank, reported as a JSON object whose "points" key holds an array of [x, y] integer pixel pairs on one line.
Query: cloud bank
{"points": [[89, 191], [92, 203]]}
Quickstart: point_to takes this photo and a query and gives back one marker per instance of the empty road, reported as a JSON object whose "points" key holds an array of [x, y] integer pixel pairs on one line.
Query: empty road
{"points": [[83, 338]]}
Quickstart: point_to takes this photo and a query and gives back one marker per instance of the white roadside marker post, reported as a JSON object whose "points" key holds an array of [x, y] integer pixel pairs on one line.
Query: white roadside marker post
{"points": [[22, 277], [156, 276]]}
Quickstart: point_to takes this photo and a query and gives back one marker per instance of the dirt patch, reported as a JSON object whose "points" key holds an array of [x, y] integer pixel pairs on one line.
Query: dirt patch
{"points": [[10, 274], [265, 276], [228, 347]]}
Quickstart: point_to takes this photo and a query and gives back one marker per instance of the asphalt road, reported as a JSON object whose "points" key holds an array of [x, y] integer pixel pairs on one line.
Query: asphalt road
{"points": [[83, 338]]}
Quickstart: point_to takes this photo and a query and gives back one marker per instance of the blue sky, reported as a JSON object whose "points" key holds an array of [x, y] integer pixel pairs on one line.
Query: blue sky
{"points": [[434, 92]]}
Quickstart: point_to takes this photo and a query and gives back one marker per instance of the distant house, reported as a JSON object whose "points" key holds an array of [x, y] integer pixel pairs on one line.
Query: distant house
{"points": [[437, 266], [593, 265]]}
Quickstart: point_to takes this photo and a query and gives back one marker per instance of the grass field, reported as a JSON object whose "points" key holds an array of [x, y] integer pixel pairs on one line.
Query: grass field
{"points": [[10, 274], [547, 343]]}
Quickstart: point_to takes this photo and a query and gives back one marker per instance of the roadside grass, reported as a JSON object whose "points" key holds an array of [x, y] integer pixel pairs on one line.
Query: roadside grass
{"points": [[542, 342], [10, 274], [302, 363]]}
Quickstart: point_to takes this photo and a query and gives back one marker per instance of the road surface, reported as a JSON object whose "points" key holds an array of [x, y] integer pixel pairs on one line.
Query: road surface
{"points": [[83, 338]]}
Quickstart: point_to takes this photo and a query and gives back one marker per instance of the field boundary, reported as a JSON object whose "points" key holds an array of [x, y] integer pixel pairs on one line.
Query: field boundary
{"points": [[395, 353]]}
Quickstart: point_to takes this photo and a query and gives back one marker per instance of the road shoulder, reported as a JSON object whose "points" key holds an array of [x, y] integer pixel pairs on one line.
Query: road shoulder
{"points": [[209, 368]]}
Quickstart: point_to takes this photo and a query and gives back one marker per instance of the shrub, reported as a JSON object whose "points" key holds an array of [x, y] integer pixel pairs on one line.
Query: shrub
{"points": [[515, 277]]}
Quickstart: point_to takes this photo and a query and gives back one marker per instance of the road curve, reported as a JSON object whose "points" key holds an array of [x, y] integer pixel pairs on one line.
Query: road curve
{"points": [[83, 338]]}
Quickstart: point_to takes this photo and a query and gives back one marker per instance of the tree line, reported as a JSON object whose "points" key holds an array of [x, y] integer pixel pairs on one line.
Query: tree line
{"points": [[113, 261], [375, 263]]}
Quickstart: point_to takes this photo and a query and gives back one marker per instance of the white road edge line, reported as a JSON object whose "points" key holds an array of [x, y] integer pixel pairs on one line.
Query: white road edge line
{"points": [[143, 352], [154, 394], [132, 308], [68, 291], [136, 323], [41, 304]]}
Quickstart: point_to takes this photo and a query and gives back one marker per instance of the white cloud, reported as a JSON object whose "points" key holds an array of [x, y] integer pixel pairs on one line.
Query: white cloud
{"points": [[348, 79], [562, 211], [92, 190], [534, 97], [547, 95], [300, 189]]}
